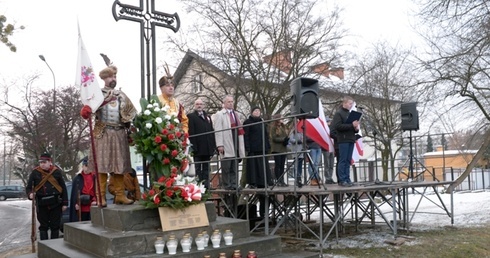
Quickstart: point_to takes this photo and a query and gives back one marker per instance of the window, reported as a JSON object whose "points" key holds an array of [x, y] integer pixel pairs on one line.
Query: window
{"points": [[197, 83]]}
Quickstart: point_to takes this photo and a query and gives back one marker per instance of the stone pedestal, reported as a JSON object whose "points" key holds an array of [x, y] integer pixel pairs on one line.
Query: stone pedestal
{"points": [[131, 230]]}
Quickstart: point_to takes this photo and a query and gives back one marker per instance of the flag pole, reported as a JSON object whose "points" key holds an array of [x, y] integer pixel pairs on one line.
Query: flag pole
{"points": [[94, 156], [91, 96]]}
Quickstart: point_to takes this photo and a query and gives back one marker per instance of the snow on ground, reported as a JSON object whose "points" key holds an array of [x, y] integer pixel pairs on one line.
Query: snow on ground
{"points": [[471, 209]]}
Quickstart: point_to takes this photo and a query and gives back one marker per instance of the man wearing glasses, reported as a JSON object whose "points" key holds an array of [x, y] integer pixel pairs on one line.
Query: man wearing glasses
{"points": [[203, 145]]}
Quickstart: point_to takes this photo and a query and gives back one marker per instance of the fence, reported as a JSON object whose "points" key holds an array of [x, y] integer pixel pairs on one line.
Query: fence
{"points": [[478, 178]]}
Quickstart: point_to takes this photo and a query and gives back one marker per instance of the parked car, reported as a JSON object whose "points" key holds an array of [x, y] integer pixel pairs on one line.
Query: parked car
{"points": [[12, 191]]}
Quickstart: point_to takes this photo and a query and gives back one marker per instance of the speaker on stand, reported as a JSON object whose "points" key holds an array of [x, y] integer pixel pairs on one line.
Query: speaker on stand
{"points": [[410, 122], [410, 116], [305, 105], [304, 99]]}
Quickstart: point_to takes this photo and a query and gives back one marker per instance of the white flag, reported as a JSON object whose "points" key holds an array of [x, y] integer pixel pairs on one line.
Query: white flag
{"points": [[359, 145], [90, 92]]}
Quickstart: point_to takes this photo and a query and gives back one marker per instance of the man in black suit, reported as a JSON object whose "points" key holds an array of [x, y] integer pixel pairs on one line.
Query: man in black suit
{"points": [[203, 146]]}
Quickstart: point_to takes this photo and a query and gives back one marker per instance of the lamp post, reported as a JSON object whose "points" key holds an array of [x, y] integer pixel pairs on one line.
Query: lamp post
{"points": [[54, 82], [54, 95]]}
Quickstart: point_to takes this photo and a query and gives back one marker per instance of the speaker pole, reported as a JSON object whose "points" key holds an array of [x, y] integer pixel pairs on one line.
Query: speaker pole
{"points": [[410, 166]]}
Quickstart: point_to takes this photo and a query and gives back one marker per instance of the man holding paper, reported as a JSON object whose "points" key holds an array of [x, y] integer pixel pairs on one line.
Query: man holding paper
{"points": [[346, 130]]}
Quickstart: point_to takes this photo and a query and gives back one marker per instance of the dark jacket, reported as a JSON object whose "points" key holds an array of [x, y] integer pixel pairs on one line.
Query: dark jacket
{"points": [[343, 132], [333, 135], [278, 137], [203, 145], [254, 137], [47, 189], [77, 186]]}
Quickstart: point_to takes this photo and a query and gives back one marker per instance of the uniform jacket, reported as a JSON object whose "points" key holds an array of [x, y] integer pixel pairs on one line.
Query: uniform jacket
{"points": [[203, 145], [47, 189], [221, 120]]}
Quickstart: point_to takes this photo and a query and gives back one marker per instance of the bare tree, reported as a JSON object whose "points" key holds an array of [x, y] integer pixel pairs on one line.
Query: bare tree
{"points": [[260, 46], [36, 129], [384, 76], [458, 37]]}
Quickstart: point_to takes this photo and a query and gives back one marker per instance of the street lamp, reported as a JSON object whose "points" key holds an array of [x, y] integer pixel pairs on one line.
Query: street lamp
{"points": [[54, 82], [54, 96]]}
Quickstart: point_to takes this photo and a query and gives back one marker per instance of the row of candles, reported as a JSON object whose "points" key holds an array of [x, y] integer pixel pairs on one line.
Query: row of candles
{"points": [[202, 241]]}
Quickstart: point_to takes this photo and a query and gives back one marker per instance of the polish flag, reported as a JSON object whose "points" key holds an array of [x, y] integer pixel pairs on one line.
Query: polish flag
{"points": [[358, 146], [90, 92], [317, 129]]}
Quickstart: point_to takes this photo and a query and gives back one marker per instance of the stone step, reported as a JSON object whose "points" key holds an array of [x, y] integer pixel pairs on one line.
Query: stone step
{"points": [[106, 242], [265, 246], [61, 249], [134, 217]]}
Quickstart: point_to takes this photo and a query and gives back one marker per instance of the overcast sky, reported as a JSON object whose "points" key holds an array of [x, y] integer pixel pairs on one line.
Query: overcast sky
{"points": [[51, 30]]}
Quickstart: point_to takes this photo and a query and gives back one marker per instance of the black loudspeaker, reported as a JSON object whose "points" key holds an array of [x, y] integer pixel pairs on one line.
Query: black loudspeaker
{"points": [[304, 97], [410, 116]]}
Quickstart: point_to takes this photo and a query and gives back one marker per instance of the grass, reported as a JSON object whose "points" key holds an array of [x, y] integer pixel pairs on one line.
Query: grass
{"points": [[444, 242]]}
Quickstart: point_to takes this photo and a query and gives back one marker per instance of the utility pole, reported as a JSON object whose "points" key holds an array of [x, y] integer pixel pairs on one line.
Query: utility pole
{"points": [[4, 160]]}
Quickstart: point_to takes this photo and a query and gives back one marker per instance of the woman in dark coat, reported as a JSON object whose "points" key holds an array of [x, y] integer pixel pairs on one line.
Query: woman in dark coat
{"points": [[257, 144]]}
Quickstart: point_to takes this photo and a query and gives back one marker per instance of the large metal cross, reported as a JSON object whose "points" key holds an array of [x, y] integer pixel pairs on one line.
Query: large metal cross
{"points": [[148, 18]]}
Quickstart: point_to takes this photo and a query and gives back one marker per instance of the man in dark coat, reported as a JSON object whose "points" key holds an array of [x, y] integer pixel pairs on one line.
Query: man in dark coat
{"points": [[346, 138], [46, 184], [201, 135]]}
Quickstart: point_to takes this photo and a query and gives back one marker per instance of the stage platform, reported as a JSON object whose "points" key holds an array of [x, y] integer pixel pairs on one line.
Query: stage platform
{"points": [[332, 205]]}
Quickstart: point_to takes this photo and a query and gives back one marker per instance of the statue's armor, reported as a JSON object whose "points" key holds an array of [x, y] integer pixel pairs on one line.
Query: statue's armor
{"points": [[109, 113]]}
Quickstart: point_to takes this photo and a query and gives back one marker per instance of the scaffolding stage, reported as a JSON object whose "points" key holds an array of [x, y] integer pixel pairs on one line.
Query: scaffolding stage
{"points": [[289, 207]]}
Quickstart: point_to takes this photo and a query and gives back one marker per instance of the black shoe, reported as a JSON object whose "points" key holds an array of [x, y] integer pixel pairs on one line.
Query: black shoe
{"points": [[281, 184], [329, 181], [252, 186], [299, 184]]}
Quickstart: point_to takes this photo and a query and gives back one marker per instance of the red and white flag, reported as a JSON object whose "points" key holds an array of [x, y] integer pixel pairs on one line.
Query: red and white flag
{"points": [[358, 146], [90, 92], [317, 129]]}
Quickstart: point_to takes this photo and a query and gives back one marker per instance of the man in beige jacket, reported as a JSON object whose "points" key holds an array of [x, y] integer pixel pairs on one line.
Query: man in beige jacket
{"points": [[229, 142]]}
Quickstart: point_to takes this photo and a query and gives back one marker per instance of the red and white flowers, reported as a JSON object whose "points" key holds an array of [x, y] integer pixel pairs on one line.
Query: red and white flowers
{"points": [[161, 140]]}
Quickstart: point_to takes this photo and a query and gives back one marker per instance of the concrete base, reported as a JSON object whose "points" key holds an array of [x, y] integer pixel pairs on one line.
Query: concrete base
{"points": [[131, 230]]}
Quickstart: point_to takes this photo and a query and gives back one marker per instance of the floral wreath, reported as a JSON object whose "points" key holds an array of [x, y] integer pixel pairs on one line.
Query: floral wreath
{"points": [[158, 136]]}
